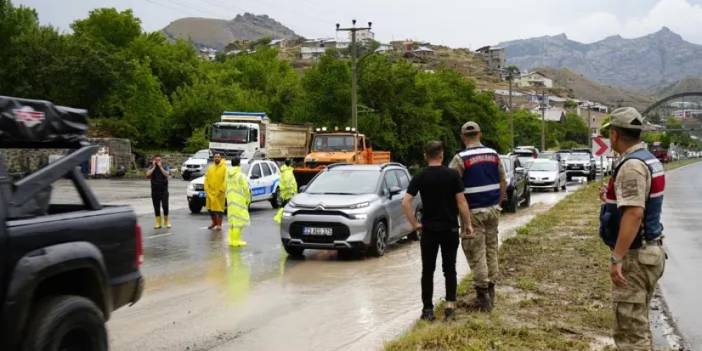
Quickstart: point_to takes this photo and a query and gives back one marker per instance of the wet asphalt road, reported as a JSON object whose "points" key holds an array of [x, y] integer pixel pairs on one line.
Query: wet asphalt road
{"points": [[202, 295], [681, 281]]}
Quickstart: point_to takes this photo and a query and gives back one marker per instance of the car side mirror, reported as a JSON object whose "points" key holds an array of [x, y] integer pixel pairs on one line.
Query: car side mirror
{"points": [[520, 170], [395, 190]]}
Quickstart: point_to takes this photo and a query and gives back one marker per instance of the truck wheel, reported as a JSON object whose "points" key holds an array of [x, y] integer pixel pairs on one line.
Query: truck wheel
{"points": [[195, 208], [294, 251], [379, 239], [276, 201], [66, 322]]}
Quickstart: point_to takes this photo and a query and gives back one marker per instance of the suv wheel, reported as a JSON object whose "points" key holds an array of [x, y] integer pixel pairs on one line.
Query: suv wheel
{"points": [[379, 239], [512, 202], [66, 322], [294, 251], [527, 197], [195, 208], [416, 235], [276, 201]]}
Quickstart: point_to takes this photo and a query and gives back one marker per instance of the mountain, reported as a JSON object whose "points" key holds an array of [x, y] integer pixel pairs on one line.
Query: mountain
{"points": [[217, 33], [685, 85], [646, 63], [578, 86]]}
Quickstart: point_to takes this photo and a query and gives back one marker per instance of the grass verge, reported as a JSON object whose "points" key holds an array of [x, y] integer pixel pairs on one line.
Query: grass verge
{"points": [[554, 293], [677, 164]]}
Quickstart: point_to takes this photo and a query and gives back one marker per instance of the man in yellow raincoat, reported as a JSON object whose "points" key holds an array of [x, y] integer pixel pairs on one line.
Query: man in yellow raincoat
{"points": [[238, 200], [214, 188], [287, 188]]}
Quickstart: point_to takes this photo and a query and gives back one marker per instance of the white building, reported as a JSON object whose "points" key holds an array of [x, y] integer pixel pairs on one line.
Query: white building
{"points": [[363, 35], [533, 80], [313, 49]]}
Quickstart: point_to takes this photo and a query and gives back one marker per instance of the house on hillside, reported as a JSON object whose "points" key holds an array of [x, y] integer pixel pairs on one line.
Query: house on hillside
{"points": [[314, 48], [534, 80], [423, 52], [384, 48], [208, 54], [551, 114], [494, 57]]}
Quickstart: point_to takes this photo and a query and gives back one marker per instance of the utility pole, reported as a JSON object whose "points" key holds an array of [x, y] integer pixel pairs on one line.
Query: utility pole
{"points": [[511, 113], [589, 127], [543, 120], [354, 76]]}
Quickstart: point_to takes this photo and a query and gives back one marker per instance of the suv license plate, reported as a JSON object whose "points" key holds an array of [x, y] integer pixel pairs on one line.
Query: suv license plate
{"points": [[317, 231]]}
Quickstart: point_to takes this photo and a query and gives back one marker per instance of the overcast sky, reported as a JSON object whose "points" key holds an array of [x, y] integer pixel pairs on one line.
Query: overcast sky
{"points": [[458, 23]]}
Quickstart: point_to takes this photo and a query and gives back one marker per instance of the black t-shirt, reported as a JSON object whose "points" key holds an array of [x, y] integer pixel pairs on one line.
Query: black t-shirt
{"points": [[438, 186], [158, 178]]}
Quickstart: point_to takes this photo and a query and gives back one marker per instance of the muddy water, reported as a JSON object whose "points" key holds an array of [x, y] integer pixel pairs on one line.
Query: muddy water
{"points": [[203, 296]]}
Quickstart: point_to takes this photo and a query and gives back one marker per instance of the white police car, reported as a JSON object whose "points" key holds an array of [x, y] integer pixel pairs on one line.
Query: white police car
{"points": [[264, 177]]}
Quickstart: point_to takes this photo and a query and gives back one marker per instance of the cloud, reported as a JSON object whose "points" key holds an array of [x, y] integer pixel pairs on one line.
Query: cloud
{"points": [[680, 16]]}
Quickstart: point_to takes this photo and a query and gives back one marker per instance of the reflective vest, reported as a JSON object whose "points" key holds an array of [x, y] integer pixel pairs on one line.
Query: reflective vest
{"points": [[238, 197], [610, 215], [288, 184], [481, 176]]}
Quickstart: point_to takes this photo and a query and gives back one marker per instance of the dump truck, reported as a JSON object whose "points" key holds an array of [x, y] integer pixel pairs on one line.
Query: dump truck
{"points": [[329, 147], [252, 135]]}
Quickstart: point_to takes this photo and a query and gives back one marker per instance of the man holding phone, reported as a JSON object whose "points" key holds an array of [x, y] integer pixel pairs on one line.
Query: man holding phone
{"points": [[159, 191]]}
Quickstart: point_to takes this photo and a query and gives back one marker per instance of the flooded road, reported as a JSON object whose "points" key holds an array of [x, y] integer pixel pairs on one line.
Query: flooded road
{"points": [[681, 217], [202, 295]]}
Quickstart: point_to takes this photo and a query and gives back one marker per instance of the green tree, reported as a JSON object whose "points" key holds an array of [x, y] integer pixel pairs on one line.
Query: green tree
{"points": [[109, 27]]}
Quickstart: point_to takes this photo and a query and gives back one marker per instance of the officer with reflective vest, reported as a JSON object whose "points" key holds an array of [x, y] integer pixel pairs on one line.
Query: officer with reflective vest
{"points": [[630, 224], [287, 188], [238, 199], [483, 177]]}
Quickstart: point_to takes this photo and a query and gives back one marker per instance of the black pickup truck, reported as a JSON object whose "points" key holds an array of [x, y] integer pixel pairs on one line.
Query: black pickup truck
{"points": [[63, 267]]}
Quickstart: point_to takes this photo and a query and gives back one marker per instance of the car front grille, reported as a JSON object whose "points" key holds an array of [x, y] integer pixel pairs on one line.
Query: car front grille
{"points": [[321, 213], [193, 166], [199, 187], [339, 232]]}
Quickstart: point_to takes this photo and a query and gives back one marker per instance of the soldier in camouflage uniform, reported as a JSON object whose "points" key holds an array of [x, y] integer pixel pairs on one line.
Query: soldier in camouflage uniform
{"points": [[483, 177], [630, 225]]}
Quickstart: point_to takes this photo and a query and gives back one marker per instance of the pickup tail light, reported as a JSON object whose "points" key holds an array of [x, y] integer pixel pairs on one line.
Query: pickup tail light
{"points": [[139, 259]]}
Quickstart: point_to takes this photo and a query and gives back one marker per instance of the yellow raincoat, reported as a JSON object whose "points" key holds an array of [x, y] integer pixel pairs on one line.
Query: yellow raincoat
{"points": [[214, 187], [287, 188], [238, 200]]}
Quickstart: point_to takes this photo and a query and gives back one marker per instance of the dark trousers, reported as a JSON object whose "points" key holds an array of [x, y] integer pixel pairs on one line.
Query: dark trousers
{"points": [[430, 244], [159, 197]]}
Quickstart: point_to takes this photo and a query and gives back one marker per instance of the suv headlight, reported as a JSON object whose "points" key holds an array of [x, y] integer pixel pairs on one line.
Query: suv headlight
{"points": [[359, 216], [360, 205]]}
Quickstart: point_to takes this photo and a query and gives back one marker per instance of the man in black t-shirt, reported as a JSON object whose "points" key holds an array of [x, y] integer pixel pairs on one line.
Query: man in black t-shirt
{"points": [[441, 191]]}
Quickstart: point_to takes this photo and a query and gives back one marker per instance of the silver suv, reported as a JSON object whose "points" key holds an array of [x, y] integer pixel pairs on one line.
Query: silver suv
{"points": [[351, 208]]}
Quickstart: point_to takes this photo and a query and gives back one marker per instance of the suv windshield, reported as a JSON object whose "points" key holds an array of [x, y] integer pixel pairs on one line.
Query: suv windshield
{"points": [[202, 155], [230, 134], [579, 157], [345, 182], [543, 166], [333, 143]]}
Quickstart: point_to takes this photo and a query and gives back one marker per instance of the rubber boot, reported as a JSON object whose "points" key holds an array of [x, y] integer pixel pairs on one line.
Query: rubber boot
{"points": [[278, 218], [158, 223], [491, 292], [235, 237], [482, 300], [167, 221]]}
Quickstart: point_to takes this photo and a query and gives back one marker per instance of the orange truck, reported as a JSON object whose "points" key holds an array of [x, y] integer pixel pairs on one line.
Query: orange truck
{"points": [[337, 147]]}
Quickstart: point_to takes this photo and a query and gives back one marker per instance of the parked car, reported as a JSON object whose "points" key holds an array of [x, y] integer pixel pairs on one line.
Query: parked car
{"points": [[196, 165], [531, 149], [603, 165], [518, 190], [580, 164], [551, 155], [264, 176], [351, 208], [66, 266], [547, 174], [526, 154]]}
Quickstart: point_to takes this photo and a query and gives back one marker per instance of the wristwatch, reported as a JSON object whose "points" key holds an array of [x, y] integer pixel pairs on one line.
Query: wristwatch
{"points": [[614, 260]]}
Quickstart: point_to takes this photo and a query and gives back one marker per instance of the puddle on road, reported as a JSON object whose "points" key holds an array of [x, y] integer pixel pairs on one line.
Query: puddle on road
{"points": [[203, 296]]}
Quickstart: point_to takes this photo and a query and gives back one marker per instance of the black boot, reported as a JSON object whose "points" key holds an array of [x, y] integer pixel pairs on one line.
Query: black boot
{"points": [[482, 300], [491, 291], [427, 314]]}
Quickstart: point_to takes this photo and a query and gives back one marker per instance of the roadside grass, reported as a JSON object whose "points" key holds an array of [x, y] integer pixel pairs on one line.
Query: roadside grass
{"points": [[554, 293]]}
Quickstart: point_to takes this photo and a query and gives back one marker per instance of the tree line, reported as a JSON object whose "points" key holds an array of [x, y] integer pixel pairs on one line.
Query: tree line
{"points": [[161, 94]]}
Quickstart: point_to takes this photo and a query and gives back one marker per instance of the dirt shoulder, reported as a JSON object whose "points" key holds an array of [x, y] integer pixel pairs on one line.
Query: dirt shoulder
{"points": [[554, 293]]}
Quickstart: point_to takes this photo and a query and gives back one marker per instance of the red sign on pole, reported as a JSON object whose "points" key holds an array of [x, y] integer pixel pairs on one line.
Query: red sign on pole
{"points": [[600, 146]]}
